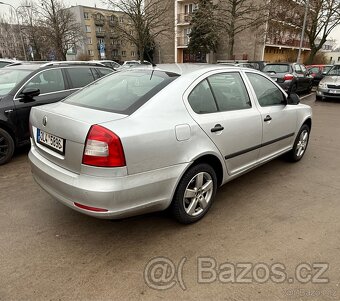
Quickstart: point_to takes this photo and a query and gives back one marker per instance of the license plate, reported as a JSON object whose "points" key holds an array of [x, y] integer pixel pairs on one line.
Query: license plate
{"points": [[334, 91], [51, 141]]}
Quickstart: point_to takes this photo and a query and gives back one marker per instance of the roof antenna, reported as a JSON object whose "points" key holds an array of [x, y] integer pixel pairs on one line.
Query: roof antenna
{"points": [[152, 63]]}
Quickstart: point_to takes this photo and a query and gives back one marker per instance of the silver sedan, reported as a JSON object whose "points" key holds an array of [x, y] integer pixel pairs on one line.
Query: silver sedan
{"points": [[149, 139]]}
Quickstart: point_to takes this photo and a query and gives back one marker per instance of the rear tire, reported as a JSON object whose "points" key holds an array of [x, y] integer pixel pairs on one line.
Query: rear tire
{"points": [[194, 194], [6, 147], [300, 144]]}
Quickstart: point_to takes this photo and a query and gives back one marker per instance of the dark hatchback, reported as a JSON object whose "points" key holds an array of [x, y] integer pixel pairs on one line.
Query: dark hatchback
{"points": [[292, 77], [26, 85]]}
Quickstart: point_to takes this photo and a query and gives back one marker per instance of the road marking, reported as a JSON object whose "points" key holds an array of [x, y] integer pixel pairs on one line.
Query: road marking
{"points": [[306, 96]]}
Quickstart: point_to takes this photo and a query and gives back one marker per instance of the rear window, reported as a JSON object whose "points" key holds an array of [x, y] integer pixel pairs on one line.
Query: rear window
{"points": [[122, 92], [276, 68]]}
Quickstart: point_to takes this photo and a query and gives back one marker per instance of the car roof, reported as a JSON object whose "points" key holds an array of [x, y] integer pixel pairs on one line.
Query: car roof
{"points": [[188, 68]]}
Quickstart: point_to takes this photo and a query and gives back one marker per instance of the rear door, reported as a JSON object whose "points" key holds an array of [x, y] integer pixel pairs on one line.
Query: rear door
{"points": [[52, 86], [221, 106], [278, 119]]}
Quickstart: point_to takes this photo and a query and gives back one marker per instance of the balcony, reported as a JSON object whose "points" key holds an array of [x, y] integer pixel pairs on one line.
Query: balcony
{"points": [[184, 19], [100, 34], [182, 42], [113, 23], [99, 22], [288, 43]]}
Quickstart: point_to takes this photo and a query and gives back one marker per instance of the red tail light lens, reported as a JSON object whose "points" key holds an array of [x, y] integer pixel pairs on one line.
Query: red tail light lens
{"points": [[89, 208], [103, 148], [288, 77]]}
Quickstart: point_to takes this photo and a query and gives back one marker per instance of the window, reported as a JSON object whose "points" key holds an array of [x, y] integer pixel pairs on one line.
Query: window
{"points": [[133, 53], [122, 92], [303, 68], [121, 19], [80, 77], [278, 68], [101, 41], [123, 53], [86, 16], [201, 99], [89, 41], [112, 18], [87, 28], [266, 92], [104, 71], [298, 69], [90, 52], [229, 91], [47, 81], [99, 29]]}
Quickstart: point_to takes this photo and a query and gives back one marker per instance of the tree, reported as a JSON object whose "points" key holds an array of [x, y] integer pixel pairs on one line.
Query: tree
{"points": [[60, 27], [324, 16], [204, 29], [239, 15], [33, 33], [146, 20]]}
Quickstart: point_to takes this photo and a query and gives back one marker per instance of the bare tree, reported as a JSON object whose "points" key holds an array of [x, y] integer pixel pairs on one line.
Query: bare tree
{"points": [[60, 27], [145, 21], [239, 15], [324, 16]]}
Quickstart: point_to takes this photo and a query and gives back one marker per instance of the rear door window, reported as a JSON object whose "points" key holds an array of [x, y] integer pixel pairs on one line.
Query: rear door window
{"points": [[80, 77]]}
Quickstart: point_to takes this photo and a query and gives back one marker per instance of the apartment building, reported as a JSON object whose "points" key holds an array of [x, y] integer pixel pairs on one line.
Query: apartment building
{"points": [[102, 40], [277, 40]]}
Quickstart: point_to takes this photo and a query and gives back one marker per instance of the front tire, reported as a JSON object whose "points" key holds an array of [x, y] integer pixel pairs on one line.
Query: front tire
{"points": [[194, 194], [6, 147], [300, 144]]}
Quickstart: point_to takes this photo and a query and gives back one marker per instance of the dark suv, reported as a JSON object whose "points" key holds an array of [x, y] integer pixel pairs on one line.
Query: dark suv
{"points": [[292, 77], [25, 85]]}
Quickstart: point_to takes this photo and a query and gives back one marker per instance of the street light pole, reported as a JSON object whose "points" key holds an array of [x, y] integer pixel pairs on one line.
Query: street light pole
{"points": [[20, 33], [303, 32]]}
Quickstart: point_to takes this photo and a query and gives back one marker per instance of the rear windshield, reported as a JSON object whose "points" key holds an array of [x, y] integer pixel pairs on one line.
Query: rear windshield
{"points": [[122, 92], [276, 68]]}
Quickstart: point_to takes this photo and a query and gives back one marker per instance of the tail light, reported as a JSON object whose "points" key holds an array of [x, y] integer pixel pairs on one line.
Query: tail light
{"points": [[288, 77], [103, 148]]}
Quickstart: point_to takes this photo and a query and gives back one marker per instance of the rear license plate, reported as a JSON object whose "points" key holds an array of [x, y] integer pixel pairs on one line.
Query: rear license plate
{"points": [[51, 141]]}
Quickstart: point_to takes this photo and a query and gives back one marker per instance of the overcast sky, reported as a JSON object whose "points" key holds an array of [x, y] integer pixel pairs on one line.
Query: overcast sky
{"points": [[335, 34]]}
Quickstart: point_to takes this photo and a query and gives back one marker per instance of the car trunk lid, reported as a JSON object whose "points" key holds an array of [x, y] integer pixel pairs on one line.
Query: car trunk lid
{"points": [[61, 130]]}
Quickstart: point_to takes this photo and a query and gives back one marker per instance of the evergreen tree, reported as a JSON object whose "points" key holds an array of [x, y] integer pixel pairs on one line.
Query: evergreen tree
{"points": [[204, 29]]}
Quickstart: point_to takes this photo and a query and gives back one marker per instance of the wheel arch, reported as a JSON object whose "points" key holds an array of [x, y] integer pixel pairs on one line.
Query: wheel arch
{"points": [[9, 130]]}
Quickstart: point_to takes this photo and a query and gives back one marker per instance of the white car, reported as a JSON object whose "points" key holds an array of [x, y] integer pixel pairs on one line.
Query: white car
{"points": [[143, 140]]}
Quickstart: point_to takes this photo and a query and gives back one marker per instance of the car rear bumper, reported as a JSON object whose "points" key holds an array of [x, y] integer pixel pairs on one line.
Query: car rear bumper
{"points": [[120, 196]]}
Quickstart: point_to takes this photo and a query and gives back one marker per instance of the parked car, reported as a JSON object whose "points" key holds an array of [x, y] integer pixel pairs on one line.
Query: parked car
{"points": [[292, 77], [258, 65], [6, 62], [107, 63], [143, 140], [329, 86], [26, 85], [134, 62], [318, 72]]}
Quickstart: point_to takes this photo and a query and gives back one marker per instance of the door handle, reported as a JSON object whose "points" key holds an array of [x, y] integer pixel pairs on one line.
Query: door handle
{"points": [[8, 111], [217, 128], [268, 118]]}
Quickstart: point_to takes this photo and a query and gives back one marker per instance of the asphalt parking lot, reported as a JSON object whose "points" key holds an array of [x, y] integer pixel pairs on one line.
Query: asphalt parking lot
{"points": [[280, 214]]}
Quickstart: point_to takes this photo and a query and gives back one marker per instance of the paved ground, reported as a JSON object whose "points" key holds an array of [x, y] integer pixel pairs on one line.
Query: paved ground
{"points": [[280, 213]]}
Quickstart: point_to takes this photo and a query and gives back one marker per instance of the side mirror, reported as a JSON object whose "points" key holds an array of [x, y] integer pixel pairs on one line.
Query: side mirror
{"points": [[293, 99], [28, 94]]}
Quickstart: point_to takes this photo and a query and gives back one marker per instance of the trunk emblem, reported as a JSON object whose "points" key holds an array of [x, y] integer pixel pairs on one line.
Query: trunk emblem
{"points": [[44, 121]]}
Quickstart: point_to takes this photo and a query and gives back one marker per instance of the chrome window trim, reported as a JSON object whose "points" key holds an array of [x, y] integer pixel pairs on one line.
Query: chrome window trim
{"points": [[63, 67]]}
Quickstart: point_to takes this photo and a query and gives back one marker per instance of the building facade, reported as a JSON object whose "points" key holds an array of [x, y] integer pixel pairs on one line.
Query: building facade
{"points": [[275, 41], [102, 40]]}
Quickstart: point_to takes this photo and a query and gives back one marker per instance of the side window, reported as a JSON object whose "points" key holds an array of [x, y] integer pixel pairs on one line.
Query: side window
{"points": [[229, 91], [80, 77], [201, 99], [47, 81], [266, 92], [104, 71], [303, 68], [297, 69]]}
